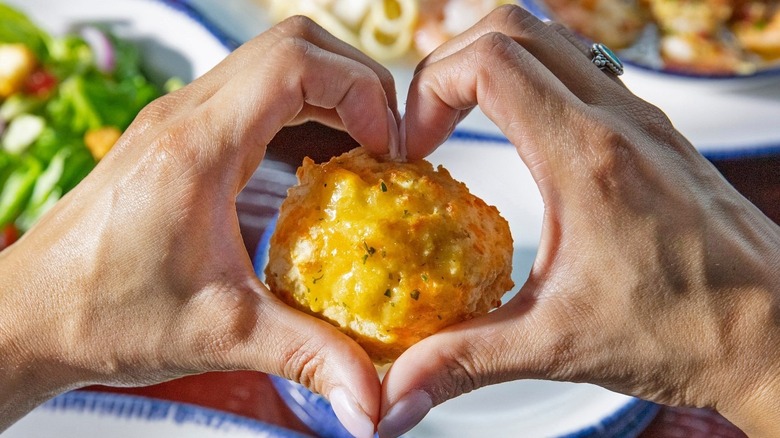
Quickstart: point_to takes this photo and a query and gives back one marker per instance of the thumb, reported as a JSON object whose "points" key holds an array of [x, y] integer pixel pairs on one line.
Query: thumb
{"points": [[257, 331], [497, 347]]}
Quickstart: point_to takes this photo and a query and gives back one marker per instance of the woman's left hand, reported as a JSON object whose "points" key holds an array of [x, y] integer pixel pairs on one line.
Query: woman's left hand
{"points": [[653, 276]]}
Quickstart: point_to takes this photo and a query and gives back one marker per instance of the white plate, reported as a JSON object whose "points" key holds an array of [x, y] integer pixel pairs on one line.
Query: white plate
{"points": [[92, 414], [172, 41], [722, 118]]}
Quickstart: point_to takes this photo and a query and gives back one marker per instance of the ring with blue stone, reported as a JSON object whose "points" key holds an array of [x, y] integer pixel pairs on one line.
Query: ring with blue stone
{"points": [[606, 59]]}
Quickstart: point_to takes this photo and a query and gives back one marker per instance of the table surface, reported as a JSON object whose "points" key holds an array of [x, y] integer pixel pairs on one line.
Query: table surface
{"points": [[251, 394]]}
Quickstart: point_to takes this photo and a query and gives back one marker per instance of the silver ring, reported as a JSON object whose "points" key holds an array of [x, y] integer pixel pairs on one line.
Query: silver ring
{"points": [[606, 59]]}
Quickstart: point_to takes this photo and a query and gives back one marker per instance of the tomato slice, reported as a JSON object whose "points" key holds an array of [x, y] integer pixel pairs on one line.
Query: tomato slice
{"points": [[9, 236], [40, 83]]}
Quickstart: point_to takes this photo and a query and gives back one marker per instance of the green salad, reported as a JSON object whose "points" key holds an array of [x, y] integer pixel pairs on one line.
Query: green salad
{"points": [[64, 101]]}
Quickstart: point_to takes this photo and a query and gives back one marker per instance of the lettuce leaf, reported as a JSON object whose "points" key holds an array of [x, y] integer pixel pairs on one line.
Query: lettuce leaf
{"points": [[15, 27]]}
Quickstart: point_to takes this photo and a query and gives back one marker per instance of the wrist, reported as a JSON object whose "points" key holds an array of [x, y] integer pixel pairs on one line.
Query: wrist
{"points": [[758, 413], [752, 399], [751, 396], [26, 379]]}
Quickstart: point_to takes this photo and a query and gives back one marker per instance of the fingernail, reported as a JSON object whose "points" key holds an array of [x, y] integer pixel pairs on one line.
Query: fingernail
{"points": [[402, 140], [405, 414], [350, 414], [392, 126]]}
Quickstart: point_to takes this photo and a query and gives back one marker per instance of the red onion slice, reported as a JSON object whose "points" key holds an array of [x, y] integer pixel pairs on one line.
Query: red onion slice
{"points": [[101, 47]]}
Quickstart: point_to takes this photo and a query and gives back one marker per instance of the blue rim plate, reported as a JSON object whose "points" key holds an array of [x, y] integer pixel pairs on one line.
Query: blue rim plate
{"points": [[89, 414], [538, 408]]}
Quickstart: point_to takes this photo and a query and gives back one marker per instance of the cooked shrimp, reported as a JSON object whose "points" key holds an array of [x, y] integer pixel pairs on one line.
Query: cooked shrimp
{"points": [[440, 20], [703, 17], [757, 27], [692, 52], [616, 23]]}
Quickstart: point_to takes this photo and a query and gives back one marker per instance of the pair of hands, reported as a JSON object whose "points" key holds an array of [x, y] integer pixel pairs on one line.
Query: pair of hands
{"points": [[653, 276]]}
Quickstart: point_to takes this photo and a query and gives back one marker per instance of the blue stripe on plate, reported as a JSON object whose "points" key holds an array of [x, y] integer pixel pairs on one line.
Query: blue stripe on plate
{"points": [[152, 410], [183, 6], [312, 409], [315, 412], [718, 153], [627, 422]]}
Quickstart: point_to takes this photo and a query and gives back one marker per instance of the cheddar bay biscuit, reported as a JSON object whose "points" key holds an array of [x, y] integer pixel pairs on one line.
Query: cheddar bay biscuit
{"points": [[388, 252]]}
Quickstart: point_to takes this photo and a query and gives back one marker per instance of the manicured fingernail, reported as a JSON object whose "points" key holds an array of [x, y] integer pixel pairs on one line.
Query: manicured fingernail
{"points": [[352, 417], [392, 126], [402, 140], [405, 414]]}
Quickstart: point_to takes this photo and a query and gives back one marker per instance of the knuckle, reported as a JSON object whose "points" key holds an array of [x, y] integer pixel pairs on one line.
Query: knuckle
{"points": [[495, 51], [303, 363], [386, 78], [296, 49], [467, 372], [178, 141], [655, 121], [299, 25], [494, 44], [159, 110], [462, 377], [508, 16], [613, 162], [558, 27]]}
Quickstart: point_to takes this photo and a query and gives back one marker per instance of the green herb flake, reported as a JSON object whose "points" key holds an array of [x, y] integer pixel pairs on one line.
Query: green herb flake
{"points": [[425, 278], [370, 250], [383, 186], [316, 279], [388, 294], [415, 294]]}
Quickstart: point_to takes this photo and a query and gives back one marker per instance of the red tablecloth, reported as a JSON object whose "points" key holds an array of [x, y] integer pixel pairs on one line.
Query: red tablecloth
{"points": [[251, 394]]}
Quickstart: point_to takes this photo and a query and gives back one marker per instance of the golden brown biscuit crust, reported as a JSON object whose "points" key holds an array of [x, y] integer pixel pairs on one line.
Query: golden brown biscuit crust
{"points": [[388, 252]]}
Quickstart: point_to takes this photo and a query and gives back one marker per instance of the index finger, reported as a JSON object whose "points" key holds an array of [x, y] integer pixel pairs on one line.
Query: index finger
{"points": [[535, 68]]}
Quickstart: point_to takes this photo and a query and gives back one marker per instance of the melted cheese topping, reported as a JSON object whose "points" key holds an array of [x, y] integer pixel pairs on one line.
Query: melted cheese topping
{"points": [[389, 252]]}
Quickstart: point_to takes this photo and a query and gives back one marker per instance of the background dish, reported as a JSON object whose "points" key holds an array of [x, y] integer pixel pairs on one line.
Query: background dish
{"points": [[80, 414], [489, 167], [170, 41], [636, 30], [723, 118]]}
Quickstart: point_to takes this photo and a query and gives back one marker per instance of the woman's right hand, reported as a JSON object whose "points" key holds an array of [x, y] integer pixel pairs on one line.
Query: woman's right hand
{"points": [[140, 275], [654, 277]]}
